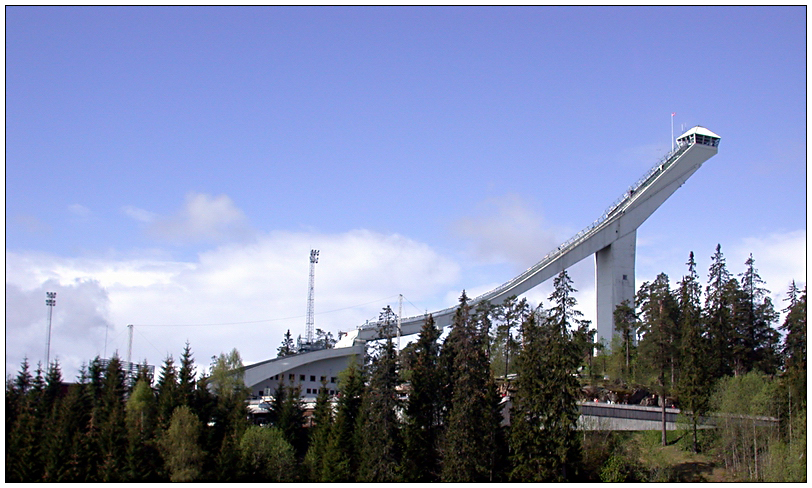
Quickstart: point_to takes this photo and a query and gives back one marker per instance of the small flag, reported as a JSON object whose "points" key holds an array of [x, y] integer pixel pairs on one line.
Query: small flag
{"points": [[673, 114]]}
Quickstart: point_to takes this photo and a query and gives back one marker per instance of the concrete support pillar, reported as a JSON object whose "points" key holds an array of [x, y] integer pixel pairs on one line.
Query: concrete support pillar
{"points": [[614, 281]]}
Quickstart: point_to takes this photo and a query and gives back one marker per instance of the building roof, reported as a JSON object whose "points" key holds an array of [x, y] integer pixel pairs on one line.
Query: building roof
{"points": [[699, 130]]}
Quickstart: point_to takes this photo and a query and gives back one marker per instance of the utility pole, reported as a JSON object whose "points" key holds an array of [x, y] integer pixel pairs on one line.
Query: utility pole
{"points": [[314, 258], [50, 302], [400, 315]]}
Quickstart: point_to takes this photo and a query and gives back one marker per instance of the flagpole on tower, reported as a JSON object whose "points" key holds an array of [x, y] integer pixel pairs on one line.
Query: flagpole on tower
{"points": [[672, 129]]}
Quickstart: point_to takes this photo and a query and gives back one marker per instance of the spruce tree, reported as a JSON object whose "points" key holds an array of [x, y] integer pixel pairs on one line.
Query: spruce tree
{"points": [[229, 414], [760, 339], [545, 411], [322, 423], [186, 379], [341, 457], [794, 349], [423, 420], [381, 445], [718, 317], [545, 405], [23, 462], [65, 460], [141, 419], [168, 395], [112, 433], [290, 420], [287, 348], [55, 444], [467, 447]]}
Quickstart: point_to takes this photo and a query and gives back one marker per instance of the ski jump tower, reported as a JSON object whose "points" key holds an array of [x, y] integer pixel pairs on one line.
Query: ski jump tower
{"points": [[612, 238]]}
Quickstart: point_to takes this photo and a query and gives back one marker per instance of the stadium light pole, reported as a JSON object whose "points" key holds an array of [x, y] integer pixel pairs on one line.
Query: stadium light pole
{"points": [[50, 302]]}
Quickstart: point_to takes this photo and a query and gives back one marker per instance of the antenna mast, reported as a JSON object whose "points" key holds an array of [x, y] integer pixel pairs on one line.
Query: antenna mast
{"points": [[130, 352], [314, 258]]}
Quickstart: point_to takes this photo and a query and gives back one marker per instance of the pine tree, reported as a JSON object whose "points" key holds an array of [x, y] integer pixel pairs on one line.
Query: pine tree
{"points": [[423, 415], [626, 324], [509, 315], [657, 348], [381, 444], [693, 387]]}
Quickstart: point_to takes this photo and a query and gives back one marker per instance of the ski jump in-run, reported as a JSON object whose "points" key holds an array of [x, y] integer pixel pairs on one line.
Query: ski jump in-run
{"points": [[611, 238]]}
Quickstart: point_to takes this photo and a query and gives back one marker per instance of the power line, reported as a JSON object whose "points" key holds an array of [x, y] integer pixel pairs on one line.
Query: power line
{"points": [[265, 320]]}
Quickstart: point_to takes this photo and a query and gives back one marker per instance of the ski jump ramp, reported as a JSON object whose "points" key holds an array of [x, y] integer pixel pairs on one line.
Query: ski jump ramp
{"points": [[612, 238]]}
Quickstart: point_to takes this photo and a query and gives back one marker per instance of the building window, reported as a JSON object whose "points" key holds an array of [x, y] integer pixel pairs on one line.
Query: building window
{"points": [[323, 379], [292, 377], [312, 378], [333, 379], [276, 377], [308, 390], [301, 377], [332, 392]]}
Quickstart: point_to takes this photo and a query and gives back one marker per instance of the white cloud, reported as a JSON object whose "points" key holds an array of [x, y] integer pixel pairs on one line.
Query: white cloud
{"points": [[79, 320], [239, 282], [79, 211], [139, 214], [779, 259], [203, 217], [507, 230]]}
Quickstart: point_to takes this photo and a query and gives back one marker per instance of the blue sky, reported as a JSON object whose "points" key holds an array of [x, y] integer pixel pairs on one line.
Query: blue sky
{"points": [[175, 165]]}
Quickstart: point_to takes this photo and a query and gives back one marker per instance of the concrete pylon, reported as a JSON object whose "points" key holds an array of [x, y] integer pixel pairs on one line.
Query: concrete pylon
{"points": [[614, 281]]}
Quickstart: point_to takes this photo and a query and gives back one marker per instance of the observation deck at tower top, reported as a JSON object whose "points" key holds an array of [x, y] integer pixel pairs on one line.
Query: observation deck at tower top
{"points": [[620, 219]]}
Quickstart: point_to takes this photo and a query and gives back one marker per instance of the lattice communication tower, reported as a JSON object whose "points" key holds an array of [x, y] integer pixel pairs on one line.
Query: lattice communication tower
{"points": [[314, 258]]}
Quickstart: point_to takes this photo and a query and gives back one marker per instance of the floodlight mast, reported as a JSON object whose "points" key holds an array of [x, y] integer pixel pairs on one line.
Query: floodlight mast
{"points": [[314, 258], [50, 302]]}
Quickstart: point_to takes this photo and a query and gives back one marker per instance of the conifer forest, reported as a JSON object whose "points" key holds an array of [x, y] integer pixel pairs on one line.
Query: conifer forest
{"points": [[438, 410]]}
